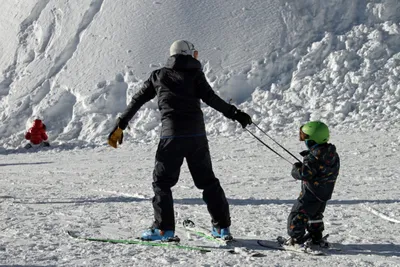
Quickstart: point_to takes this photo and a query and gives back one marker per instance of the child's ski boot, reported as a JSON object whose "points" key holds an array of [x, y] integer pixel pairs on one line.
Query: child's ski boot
{"points": [[322, 242]]}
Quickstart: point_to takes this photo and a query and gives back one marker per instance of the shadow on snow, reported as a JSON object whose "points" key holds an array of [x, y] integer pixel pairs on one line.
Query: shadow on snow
{"points": [[345, 249], [199, 201], [25, 163], [367, 249]]}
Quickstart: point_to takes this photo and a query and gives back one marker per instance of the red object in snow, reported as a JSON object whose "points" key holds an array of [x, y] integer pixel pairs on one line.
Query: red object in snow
{"points": [[37, 133]]}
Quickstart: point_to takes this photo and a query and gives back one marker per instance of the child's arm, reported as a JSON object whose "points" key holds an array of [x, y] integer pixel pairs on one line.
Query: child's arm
{"points": [[306, 170], [28, 136]]}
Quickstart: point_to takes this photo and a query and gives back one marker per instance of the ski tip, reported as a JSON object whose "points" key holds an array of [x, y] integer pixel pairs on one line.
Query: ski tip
{"points": [[72, 233]]}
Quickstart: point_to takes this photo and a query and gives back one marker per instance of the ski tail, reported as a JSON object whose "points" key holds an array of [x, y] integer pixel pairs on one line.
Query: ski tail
{"points": [[202, 232], [280, 244], [233, 246]]}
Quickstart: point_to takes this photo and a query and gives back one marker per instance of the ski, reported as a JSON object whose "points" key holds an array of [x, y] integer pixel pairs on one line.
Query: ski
{"points": [[139, 242], [233, 246], [202, 232], [279, 244], [328, 246]]}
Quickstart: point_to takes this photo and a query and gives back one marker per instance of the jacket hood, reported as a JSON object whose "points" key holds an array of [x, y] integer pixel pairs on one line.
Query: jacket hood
{"points": [[183, 62]]}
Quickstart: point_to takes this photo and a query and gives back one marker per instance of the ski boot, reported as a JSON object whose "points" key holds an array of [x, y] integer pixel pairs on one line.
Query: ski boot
{"points": [[223, 233], [321, 242], [298, 242], [159, 235], [291, 241], [27, 146]]}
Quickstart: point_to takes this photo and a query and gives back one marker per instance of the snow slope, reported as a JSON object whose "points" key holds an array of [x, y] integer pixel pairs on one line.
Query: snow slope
{"points": [[102, 192], [75, 64]]}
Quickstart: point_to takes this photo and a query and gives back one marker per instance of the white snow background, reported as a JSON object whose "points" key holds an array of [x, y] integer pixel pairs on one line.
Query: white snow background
{"points": [[75, 64]]}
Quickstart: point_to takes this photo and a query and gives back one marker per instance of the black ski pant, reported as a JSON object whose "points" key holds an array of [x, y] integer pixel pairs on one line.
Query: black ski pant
{"points": [[306, 214], [169, 158]]}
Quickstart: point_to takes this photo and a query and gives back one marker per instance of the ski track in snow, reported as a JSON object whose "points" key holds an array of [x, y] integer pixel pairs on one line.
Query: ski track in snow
{"points": [[52, 31], [34, 15], [24, 32], [62, 59], [73, 44], [381, 215], [104, 192]]}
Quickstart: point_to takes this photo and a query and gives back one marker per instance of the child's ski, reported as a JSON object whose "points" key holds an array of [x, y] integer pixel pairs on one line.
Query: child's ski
{"points": [[279, 244], [139, 242]]}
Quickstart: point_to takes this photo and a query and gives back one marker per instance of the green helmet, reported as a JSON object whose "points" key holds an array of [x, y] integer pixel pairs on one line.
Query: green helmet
{"points": [[316, 131]]}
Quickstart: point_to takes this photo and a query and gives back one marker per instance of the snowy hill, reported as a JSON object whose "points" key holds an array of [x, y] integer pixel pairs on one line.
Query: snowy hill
{"points": [[75, 64]]}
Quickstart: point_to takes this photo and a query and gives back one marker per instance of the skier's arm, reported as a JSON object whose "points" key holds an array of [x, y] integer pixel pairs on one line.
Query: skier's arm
{"points": [[145, 94], [207, 94], [28, 136]]}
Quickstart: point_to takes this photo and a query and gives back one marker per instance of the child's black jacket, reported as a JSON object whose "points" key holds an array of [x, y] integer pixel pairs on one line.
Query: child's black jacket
{"points": [[319, 170]]}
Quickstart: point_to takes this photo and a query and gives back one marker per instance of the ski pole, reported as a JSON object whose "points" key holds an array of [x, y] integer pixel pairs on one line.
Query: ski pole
{"points": [[276, 142], [267, 146]]}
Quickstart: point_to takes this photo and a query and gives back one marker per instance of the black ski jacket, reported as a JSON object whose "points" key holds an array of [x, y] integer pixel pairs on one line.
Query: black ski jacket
{"points": [[179, 86], [319, 170]]}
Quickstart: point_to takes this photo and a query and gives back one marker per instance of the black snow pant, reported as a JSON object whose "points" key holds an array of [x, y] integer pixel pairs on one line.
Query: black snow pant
{"points": [[306, 214], [169, 159]]}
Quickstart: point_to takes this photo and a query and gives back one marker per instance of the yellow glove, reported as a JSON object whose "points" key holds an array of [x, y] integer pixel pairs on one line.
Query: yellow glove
{"points": [[115, 136]]}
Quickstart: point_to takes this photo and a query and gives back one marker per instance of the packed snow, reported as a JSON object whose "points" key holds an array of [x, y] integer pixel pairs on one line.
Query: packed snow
{"points": [[76, 64], [103, 192]]}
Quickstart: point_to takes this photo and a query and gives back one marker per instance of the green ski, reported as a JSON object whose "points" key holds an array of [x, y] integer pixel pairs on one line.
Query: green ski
{"points": [[139, 242], [233, 246], [201, 232]]}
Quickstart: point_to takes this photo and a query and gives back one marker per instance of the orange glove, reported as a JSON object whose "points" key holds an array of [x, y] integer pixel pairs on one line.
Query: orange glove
{"points": [[115, 136]]}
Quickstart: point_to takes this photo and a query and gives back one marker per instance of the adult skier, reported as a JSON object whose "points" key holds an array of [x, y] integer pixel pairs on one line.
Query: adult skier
{"points": [[319, 171], [179, 86]]}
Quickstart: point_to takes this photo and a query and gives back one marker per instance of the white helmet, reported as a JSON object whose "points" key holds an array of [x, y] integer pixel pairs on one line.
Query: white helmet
{"points": [[182, 47]]}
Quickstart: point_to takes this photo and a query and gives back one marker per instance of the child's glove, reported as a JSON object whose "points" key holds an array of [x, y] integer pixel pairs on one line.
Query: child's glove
{"points": [[298, 165], [304, 153], [296, 169], [115, 136]]}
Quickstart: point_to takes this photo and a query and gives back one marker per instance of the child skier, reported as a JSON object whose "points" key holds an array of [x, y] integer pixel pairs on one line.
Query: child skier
{"points": [[318, 172], [37, 135]]}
